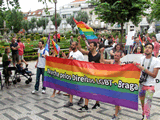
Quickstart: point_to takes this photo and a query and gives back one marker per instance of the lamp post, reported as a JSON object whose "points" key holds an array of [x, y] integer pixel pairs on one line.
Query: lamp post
{"points": [[55, 1]]}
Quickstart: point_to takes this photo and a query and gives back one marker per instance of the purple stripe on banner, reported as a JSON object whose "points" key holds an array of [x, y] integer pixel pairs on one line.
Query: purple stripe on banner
{"points": [[91, 40], [98, 97]]}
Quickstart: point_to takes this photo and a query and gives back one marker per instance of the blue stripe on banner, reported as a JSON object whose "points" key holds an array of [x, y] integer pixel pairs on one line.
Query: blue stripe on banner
{"points": [[91, 37], [95, 90]]}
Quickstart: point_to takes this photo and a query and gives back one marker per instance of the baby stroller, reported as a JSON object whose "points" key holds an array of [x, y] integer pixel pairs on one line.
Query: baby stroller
{"points": [[24, 72]]}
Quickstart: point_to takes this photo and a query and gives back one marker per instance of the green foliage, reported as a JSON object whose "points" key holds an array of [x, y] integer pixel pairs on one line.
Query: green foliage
{"points": [[71, 22], [25, 25], [82, 16], [44, 22], [155, 10], [32, 23], [115, 11], [59, 19], [14, 18]]}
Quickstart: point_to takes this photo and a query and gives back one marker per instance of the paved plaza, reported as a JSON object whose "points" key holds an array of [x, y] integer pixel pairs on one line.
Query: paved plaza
{"points": [[17, 103]]}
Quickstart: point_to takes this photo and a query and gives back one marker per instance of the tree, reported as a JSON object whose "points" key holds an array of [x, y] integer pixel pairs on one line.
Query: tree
{"points": [[120, 11], [44, 22], [14, 18], [71, 22], [39, 23], [25, 25], [32, 23], [155, 14], [82, 16], [59, 19]]}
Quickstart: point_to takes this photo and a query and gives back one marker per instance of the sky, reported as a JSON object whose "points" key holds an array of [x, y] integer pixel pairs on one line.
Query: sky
{"points": [[27, 5]]}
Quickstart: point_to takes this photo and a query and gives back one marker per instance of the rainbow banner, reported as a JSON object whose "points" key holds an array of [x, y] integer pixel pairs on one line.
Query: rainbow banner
{"points": [[113, 84], [86, 31]]}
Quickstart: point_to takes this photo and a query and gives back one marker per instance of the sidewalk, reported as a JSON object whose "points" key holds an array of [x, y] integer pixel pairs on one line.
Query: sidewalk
{"points": [[17, 103]]}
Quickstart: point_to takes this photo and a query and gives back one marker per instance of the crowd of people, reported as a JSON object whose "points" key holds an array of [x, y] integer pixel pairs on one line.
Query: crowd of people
{"points": [[106, 51], [17, 50]]}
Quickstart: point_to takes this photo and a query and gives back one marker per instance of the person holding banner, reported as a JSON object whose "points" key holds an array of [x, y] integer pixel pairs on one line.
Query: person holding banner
{"points": [[40, 65], [149, 66], [118, 47], [116, 60], [94, 57], [75, 54], [53, 55]]}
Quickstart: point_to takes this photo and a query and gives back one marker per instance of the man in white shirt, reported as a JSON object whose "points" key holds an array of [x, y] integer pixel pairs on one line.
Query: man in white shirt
{"points": [[40, 65], [75, 54], [149, 66]]}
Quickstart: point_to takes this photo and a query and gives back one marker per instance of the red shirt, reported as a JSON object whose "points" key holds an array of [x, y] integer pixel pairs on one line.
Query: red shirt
{"points": [[21, 48]]}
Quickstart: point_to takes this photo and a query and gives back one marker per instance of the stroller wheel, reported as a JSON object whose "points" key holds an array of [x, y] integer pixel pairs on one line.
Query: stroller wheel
{"points": [[18, 80], [30, 79], [14, 82], [27, 81]]}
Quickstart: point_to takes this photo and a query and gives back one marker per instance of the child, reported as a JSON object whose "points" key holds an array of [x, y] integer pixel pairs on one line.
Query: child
{"points": [[24, 70]]}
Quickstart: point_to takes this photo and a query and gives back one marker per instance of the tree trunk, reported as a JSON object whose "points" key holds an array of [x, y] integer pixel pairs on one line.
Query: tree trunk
{"points": [[122, 31]]}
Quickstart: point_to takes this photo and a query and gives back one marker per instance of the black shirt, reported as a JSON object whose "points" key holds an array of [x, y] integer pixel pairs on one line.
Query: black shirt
{"points": [[95, 58], [14, 45]]}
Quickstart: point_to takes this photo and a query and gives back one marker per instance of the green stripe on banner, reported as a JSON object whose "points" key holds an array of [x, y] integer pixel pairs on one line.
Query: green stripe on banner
{"points": [[113, 87]]}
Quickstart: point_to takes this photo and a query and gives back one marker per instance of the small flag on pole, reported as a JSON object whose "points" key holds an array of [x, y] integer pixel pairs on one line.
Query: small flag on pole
{"points": [[56, 47], [47, 47]]}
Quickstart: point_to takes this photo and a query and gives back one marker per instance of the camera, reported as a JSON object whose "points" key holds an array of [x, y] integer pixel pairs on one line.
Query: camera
{"points": [[143, 77]]}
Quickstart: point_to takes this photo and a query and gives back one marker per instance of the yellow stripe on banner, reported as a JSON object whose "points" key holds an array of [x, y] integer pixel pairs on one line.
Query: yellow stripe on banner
{"points": [[86, 30], [115, 79], [100, 73]]}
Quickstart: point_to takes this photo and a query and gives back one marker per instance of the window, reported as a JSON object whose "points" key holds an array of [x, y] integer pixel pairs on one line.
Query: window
{"points": [[64, 16], [72, 6], [131, 27]]}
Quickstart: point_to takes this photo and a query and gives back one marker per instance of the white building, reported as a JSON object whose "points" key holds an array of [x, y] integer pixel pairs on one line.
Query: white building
{"points": [[81, 5]]}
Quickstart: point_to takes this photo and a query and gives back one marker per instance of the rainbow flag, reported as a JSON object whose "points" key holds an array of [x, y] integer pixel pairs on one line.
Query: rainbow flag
{"points": [[86, 31], [113, 84], [56, 47]]}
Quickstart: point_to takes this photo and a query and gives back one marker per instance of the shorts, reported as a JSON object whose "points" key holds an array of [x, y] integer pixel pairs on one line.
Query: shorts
{"points": [[143, 89], [15, 58], [21, 57]]}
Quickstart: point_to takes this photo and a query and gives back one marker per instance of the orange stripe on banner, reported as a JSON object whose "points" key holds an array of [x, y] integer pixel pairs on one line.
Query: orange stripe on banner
{"points": [[101, 73]]}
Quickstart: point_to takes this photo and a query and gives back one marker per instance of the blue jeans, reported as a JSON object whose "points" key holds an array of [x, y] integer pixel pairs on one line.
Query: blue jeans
{"points": [[39, 72]]}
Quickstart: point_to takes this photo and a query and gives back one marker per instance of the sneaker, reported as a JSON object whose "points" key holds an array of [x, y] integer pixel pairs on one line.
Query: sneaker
{"points": [[80, 101], [95, 106], [34, 91], [68, 104], [114, 117], [43, 91], [142, 117], [84, 108]]}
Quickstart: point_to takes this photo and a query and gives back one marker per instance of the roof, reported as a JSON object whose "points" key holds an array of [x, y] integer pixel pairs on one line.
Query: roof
{"points": [[78, 1], [35, 13]]}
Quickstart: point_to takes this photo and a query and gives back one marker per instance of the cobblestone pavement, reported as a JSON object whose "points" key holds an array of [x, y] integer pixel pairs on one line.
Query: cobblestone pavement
{"points": [[17, 103]]}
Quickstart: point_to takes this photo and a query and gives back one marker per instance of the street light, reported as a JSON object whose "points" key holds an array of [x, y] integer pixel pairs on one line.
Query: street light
{"points": [[55, 1]]}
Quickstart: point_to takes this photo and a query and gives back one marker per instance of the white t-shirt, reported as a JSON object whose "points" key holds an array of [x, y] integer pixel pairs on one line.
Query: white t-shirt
{"points": [[155, 63], [76, 55], [41, 60], [106, 42]]}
